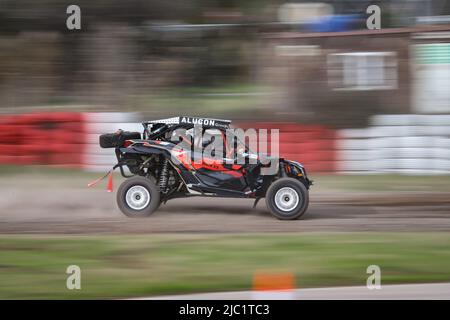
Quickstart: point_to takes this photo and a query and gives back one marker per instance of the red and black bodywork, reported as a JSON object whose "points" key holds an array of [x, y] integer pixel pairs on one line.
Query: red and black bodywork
{"points": [[178, 173]]}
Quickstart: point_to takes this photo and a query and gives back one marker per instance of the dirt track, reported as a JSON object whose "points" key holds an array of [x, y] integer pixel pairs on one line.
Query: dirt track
{"points": [[58, 207]]}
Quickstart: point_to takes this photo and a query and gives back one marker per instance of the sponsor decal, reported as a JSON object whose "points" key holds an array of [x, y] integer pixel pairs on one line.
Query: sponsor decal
{"points": [[204, 122]]}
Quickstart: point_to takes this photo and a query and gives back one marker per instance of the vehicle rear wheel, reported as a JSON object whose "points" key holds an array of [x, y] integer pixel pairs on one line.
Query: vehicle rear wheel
{"points": [[287, 199], [138, 197]]}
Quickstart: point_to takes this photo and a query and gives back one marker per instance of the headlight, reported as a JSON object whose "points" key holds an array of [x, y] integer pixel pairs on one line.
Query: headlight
{"points": [[299, 166]]}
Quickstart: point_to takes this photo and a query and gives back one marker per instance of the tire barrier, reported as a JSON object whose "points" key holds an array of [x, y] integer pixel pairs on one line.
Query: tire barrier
{"points": [[311, 145], [98, 159], [56, 138], [405, 144], [71, 139], [401, 144]]}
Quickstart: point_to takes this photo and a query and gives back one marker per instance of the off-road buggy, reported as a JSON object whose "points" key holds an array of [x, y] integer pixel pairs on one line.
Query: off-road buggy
{"points": [[160, 170]]}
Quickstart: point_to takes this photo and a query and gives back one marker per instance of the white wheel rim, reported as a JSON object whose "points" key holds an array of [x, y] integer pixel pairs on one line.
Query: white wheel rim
{"points": [[137, 197], [286, 199]]}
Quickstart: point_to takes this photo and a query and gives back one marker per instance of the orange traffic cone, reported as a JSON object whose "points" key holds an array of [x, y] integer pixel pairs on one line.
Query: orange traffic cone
{"points": [[273, 286], [109, 187]]}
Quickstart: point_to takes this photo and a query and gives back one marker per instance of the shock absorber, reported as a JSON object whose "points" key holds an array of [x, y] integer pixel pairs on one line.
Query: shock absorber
{"points": [[164, 176]]}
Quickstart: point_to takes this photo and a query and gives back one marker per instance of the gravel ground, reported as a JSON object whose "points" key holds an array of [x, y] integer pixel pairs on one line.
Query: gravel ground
{"points": [[67, 207]]}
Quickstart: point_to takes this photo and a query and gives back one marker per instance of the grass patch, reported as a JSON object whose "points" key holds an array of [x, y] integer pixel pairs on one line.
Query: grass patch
{"points": [[126, 266]]}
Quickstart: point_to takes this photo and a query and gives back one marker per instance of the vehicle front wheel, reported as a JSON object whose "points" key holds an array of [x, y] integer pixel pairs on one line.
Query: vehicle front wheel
{"points": [[138, 197], [287, 199]]}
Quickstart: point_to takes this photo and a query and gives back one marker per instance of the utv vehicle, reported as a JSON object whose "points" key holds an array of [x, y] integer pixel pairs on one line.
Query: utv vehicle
{"points": [[161, 170]]}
